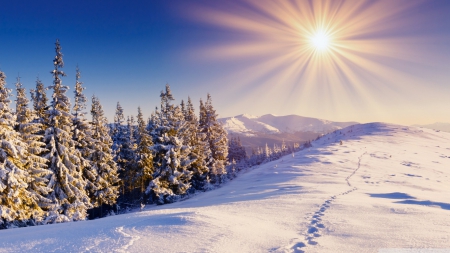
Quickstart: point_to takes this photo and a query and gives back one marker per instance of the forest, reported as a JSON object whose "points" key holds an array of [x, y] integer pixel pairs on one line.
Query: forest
{"points": [[58, 166]]}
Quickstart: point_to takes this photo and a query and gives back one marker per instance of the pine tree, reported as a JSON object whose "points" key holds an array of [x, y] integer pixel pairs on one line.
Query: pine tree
{"points": [[81, 127], [171, 177], [276, 152], [235, 150], [82, 134], [267, 153], [117, 129], [16, 203], [284, 148], [153, 122], [35, 164], [127, 156], [144, 154], [68, 195], [107, 179], [39, 98], [199, 147], [119, 138], [216, 137]]}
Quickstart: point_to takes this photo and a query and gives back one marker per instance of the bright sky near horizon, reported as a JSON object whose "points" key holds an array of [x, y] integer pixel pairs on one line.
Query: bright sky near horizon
{"points": [[338, 60]]}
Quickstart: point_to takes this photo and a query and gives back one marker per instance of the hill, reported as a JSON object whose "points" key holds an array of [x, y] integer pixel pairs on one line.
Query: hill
{"points": [[385, 186]]}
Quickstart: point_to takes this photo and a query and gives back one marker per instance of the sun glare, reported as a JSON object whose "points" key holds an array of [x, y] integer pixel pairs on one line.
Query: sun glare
{"points": [[332, 49], [320, 41]]}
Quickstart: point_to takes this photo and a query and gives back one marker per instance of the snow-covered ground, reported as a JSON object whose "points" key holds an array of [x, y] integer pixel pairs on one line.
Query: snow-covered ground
{"points": [[386, 186]]}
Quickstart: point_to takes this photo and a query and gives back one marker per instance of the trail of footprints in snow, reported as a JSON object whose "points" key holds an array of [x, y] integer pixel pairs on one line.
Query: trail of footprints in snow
{"points": [[316, 219], [131, 238]]}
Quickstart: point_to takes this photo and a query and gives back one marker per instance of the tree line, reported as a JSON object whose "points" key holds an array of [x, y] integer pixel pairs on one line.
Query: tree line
{"points": [[57, 166]]}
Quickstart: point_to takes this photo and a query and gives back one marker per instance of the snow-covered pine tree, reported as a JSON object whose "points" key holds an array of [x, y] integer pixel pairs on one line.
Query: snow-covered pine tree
{"points": [[199, 148], [257, 157], [119, 138], [16, 204], [117, 131], [216, 136], [101, 159], [153, 123], [69, 194], [144, 154], [36, 165], [253, 157], [235, 150], [267, 153], [171, 177], [127, 156], [82, 135], [81, 128], [39, 99], [276, 151], [284, 148]]}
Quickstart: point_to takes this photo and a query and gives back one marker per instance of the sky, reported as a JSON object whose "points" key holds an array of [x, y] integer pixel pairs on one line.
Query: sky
{"points": [[362, 61]]}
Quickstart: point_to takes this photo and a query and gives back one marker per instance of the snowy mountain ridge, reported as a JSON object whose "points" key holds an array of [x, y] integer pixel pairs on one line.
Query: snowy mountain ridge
{"points": [[249, 125]]}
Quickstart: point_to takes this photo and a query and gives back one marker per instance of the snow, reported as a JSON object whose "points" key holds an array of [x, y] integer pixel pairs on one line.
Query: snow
{"points": [[386, 186], [442, 126], [248, 125]]}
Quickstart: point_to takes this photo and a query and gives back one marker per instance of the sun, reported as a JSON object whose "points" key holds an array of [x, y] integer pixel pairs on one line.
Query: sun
{"points": [[320, 41]]}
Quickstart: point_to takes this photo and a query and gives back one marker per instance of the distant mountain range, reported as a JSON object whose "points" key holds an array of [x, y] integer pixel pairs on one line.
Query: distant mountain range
{"points": [[257, 131], [437, 126], [248, 125]]}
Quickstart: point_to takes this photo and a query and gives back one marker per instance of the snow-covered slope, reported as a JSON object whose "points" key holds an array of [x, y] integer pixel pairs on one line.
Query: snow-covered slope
{"points": [[250, 125], [437, 126], [386, 186], [246, 125]]}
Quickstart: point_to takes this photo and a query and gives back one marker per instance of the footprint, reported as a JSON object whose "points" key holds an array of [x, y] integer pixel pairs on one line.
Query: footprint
{"points": [[314, 222], [298, 247], [311, 242], [312, 230]]}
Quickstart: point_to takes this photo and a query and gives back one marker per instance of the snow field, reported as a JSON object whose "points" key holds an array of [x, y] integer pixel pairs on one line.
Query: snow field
{"points": [[386, 186]]}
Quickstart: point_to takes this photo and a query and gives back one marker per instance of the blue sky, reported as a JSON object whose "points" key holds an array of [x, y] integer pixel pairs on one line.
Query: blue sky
{"points": [[128, 50]]}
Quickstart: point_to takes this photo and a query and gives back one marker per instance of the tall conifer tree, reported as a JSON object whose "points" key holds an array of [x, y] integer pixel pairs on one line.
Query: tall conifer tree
{"points": [[39, 99], [144, 154], [16, 203], [172, 177], [216, 137], [199, 147], [128, 157], [36, 165], [65, 161], [107, 180], [82, 133]]}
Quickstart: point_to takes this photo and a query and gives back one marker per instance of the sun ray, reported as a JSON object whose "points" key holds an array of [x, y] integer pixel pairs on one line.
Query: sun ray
{"points": [[332, 48]]}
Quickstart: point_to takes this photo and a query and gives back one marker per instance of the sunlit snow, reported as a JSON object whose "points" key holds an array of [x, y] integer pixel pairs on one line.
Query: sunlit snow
{"points": [[385, 186]]}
